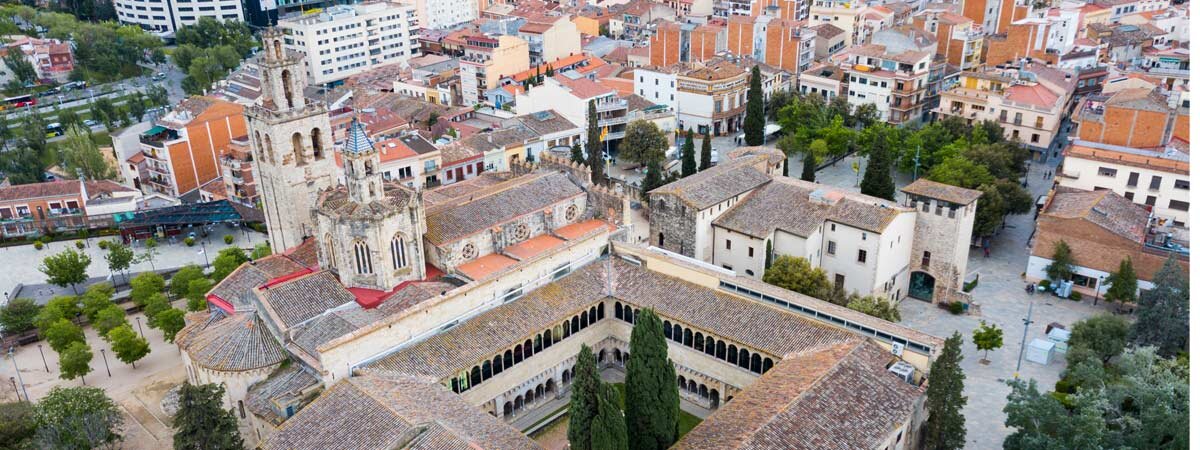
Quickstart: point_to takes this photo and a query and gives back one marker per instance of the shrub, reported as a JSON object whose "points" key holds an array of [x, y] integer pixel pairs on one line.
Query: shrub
{"points": [[1044, 284], [956, 308], [1075, 295], [38, 245], [189, 241], [968, 287], [1064, 386], [79, 245], [103, 245], [228, 239]]}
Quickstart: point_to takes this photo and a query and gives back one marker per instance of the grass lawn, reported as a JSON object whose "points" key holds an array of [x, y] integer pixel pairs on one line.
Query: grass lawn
{"points": [[554, 435], [686, 421]]}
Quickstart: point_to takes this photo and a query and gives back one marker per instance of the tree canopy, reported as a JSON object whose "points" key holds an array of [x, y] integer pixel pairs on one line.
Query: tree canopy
{"points": [[796, 274], [1062, 263], [987, 338], [876, 306], [67, 268], [652, 397], [201, 423], [755, 122], [584, 401], [77, 418], [127, 345], [1162, 314], [946, 428], [18, 315], [644, 143]]}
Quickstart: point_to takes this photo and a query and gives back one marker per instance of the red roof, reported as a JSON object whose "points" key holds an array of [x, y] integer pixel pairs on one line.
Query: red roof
{"points": [[1032, 95], [583, 88]]}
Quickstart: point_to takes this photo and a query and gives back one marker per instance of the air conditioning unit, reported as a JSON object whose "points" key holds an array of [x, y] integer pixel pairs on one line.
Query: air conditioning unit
{"points": [[903, 370]]}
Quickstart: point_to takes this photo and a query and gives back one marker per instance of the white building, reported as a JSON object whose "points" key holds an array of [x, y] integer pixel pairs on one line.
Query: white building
{"points": [[444, 14], [164, 17], [346, 40], [1157, 178], [570, 97]]}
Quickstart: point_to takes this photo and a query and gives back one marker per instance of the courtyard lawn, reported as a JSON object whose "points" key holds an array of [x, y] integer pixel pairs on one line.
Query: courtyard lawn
{"points": [[554, 435]]}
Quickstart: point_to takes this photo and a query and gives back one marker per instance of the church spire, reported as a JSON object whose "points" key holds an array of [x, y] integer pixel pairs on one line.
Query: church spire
{"points": [[361, 158]]}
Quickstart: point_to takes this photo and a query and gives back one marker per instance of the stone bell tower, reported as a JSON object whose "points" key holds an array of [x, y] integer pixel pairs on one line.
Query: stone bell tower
{"points": [[292, 144], [370, 230]]}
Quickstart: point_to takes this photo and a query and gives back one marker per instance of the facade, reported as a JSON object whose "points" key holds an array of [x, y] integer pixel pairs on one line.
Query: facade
{"points": [[895, 82], [829, 40], [845, 14], [62, 206], [183, 149], [164, 18], [345, 40], [675, 42], [959, 39], [291, 141], [1139, 117], [570, 98], [778, 43], [52, 59], [1154, 177], [1102, 229], [485, 60], [238, 172], [941, 239], [712, 98], [444, 14], [552, 40]]}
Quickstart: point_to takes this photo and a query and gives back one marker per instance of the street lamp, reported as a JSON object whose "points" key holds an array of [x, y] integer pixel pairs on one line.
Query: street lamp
{"points": [[204, 251], [138, 319], [1021, 355], [105, 358], [47, 366], [13, 357]]}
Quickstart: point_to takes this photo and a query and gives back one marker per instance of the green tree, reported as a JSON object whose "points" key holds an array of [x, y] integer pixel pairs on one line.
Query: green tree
{"points": [[227, 260], [77, 418], [1043, 423], [170, 322], [137, 106], [155, 304], [809, 173], [687, 155], [18, 424], [644, 143], [1102, 334], [150, 253], [145, 285], [987, 338], [119, 257], [128, 346], [755, 121], [68, 268], [865, 115], [1162, 314], [105, 111], [1016, 199], [201, 423], [961, 172], [261, 250], [23, 163], [577, 154], [62, 333], [877, 179], [585, 388], [608, 427], [108, 318], [652, 398], [82, 155], [990, 213], [653, 180], [75, 361], [18, 315], [61, 307], [22, 70], [1062, 263], [819, 149], [876, 306], [97, 297], [181, 281], [197, 296], [796, 274], [1122, 285], [706, 152], [595, 159], [68, 118], [945, 429]]}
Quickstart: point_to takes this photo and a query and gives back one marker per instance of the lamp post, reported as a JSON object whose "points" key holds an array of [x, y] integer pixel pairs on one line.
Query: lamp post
{"points": [[204, 251], [138, 319], [1021, 355], [47, 366], [105, 358], [13, 357]]}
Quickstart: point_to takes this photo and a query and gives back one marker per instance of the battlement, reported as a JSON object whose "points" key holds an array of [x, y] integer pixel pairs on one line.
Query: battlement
{"points": [[579, 173]]}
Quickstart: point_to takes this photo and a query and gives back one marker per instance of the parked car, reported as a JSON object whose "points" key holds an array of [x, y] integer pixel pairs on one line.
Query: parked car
{"points": [[90, 123]]}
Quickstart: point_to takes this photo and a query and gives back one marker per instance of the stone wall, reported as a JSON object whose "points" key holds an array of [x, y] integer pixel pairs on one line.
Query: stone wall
{"points": [[937, 235], [672, 224], [580, 174]]}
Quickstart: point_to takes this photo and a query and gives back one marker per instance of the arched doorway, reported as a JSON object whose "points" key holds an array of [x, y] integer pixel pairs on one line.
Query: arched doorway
{"points": [[920, 286]]}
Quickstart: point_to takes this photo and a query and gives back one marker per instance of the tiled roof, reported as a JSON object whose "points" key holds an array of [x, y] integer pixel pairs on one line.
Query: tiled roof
{"points": [[775, 155], [547, 122], [357, 141], [1104, 208], [840, 397], [1141, 99], [1037, 95], [337, 202], [458, 151], [717, 184], [238, 287], [282, 384], [828, 30], [1165, 159], [734, 318], [513, 199], [443, 195], [932, 189], [583, 88], [39, 190], [297, 300], [230, 344], [374, 412], [334, 324]]}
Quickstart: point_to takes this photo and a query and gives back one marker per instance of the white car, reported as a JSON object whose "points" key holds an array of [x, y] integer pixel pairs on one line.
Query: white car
{"points": [[90, 123]]}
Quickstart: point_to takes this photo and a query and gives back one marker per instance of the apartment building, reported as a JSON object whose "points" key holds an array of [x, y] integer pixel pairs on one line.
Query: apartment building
{"points": [[959, 39], [1154, 177], [895, 82], [1139, 117], [1028, 101], [165, 17], [996, 15], [783, 9], [346, 40], [845, 14], [433, 78], [707, 98], [485, 60], [182, 150], [444, 14], [782, 44], [674, 42], [51, 59], [569, 97], [60, 206], [238, 172], [551, 39], [1043, 38], [829, 40]]}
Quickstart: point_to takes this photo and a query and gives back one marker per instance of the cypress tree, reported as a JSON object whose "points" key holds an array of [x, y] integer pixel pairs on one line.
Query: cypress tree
{"points": [[577, 154], [877, 180], [1162, 314], [651, 397], [201, 422], [688, 155], [595, 161], [755, 121], [653, 179], [706, 152], [608, 428], [810, 167], [584, 389], [946, 429]]}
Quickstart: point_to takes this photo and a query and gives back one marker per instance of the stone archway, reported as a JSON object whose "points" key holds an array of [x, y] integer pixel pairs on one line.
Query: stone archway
{"points": [[921, 285]]}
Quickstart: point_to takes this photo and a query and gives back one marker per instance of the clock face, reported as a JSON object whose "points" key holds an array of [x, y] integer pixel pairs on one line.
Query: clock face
{"points": [[469, 251], [521, 233], [572, 212]]}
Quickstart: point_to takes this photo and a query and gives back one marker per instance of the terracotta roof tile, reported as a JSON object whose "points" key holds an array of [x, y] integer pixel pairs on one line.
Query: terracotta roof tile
{"points": [[932, 189], [230, 344], [513, 199]]}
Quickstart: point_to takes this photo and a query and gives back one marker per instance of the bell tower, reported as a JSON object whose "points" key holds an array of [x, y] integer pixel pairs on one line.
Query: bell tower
{"points": [[292, 144], [361, 159]]}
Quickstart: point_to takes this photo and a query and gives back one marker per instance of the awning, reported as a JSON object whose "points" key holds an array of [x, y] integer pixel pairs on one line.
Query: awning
{"points": [[155, 130]]}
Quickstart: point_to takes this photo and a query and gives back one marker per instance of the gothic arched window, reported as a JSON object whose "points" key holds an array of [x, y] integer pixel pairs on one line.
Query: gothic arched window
{"points": [[398, 257], [318, 149], [287, 88], [362, 258], [298, 148]]}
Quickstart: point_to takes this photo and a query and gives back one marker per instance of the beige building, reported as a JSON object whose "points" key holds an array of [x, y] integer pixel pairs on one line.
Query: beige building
{"points": [[848, 15], [1154, 177], [485, 60], [551, 39], [894, 81]]}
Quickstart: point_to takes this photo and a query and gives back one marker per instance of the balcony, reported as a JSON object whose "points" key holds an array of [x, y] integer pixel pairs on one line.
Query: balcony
{"points": [[611, 105], [158, 136], [63, 212]]}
